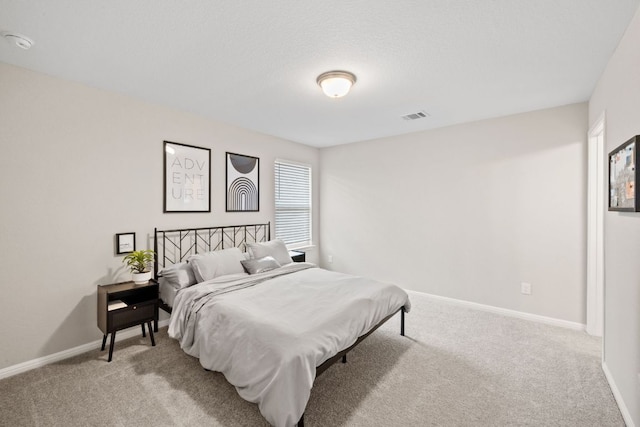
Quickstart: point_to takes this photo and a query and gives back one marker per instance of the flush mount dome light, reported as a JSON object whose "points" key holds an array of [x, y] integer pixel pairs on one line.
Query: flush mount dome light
{"points": [[336, 84], [19, 40]]}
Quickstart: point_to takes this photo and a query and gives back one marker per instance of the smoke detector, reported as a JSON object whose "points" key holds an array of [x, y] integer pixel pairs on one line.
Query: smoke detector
{"points": [[19, 40]]}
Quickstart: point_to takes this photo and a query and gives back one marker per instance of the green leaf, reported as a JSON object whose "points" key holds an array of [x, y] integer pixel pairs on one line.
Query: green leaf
{"points": [[139, 261]]}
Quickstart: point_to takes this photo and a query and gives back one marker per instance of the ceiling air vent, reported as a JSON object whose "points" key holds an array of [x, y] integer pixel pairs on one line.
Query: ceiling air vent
{"points": [[415, 116]]}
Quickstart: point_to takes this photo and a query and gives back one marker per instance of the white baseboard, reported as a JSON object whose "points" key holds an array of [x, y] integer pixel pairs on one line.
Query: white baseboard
{"points": [[511, 313], [65, 354], [626, 415]]}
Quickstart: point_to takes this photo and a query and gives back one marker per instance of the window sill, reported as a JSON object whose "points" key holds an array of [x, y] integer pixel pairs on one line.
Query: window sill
{"points": [[301, 247]]}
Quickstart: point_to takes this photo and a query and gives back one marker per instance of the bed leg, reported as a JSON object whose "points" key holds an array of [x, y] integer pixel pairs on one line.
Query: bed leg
{"points": [[301, 422], [402, 321], [344, 358]]}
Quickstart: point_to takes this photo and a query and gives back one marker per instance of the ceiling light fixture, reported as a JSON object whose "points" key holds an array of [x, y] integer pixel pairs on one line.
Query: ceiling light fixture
{"points": [[336, 84], [19, 40]]}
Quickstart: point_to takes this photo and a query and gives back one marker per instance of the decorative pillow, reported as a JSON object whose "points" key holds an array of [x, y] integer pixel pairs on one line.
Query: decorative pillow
{"points": [[217, 263], [260, 265], [275, 248], [178, 275]]}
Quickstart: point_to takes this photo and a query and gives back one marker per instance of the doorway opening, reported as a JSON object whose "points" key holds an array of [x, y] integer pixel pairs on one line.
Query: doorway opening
{"points": [[595, 228]]}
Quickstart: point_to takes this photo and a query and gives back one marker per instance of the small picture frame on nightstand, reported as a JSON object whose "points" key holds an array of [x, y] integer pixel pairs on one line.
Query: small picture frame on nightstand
{"points": [[125, 243]]}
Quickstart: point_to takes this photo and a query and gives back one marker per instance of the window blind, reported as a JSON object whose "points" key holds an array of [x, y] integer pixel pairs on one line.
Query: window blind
{"points": [[293, 203]]}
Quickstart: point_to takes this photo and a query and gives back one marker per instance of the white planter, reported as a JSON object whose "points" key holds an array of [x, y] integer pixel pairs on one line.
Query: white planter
{"points": [[141, 278]]}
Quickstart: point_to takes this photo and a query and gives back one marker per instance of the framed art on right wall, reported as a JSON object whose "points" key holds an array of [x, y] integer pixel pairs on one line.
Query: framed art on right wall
{"points": [[623, 178]]}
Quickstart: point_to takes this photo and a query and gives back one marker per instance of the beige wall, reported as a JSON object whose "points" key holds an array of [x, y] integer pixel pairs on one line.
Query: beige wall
{"points": [[617, 95], [467, 212], [77, 166]]}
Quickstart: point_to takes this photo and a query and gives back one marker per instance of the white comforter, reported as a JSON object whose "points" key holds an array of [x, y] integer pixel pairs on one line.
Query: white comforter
{"points": [[267, 332]]}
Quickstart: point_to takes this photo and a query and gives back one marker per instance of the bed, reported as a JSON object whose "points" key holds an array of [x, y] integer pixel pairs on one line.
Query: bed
{"points": [[269, 325]]}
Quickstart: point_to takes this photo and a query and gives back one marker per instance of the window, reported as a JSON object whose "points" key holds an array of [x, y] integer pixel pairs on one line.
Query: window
{"points": [[293, 203]]}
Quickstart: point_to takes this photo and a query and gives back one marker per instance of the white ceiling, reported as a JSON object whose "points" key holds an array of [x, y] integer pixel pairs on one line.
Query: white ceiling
{"points": [[254, 63]]}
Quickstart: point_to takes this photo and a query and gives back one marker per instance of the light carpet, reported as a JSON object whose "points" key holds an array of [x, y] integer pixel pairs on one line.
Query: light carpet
{"points": [[456, 367]]}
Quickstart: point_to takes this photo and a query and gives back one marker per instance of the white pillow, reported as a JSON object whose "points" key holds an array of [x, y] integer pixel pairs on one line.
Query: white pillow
{"points": [[178, 276], [274, 248], [217, 263]]}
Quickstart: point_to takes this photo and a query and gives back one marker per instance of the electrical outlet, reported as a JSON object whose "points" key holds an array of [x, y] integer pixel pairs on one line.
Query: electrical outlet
{"points": [[330, 258], [525, 288]]}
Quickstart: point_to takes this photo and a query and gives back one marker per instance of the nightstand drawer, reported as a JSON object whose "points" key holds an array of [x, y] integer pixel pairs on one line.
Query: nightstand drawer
{"points": [[132, 315]]}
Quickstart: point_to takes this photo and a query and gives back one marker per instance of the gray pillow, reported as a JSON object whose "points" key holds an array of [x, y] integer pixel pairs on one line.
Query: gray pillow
{"points": [[218, 263], [260, 265], [178, 275], [274, 248]]}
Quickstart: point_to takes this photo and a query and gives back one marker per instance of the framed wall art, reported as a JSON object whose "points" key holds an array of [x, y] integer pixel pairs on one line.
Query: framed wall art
{"points": [[187, 178], [125, 243], [243, 183], [623, 178]]}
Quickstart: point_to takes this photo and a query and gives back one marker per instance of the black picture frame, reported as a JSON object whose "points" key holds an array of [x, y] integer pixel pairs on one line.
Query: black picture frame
{"points": [[242, 183], [125, 243], [187, 178], [623, 177]]}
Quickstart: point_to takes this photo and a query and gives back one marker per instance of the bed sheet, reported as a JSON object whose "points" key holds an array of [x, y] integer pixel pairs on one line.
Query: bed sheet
{"points": [[268, 332], [167, 292]]}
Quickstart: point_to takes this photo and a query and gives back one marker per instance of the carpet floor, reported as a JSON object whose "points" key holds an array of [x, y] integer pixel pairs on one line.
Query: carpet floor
{"points": [[455, 367]]}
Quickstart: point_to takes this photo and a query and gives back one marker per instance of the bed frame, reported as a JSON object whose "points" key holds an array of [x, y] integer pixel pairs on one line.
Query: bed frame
{"points": [[343, 354], [174, 246]]}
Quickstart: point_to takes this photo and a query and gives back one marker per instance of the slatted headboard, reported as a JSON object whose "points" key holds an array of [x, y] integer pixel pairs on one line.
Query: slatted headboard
{"points": [[174, 246]]}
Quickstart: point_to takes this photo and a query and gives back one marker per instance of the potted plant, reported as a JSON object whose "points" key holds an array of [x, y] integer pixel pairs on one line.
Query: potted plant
{"points": [[138, 262]]}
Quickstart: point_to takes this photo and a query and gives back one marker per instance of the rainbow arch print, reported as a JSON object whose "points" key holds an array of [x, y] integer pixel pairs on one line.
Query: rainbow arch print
{"points": [[243, 183]]}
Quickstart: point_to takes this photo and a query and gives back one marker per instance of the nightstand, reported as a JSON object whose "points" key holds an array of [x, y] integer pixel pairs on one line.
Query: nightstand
{"points": [[123, 305], [297, 256]]}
